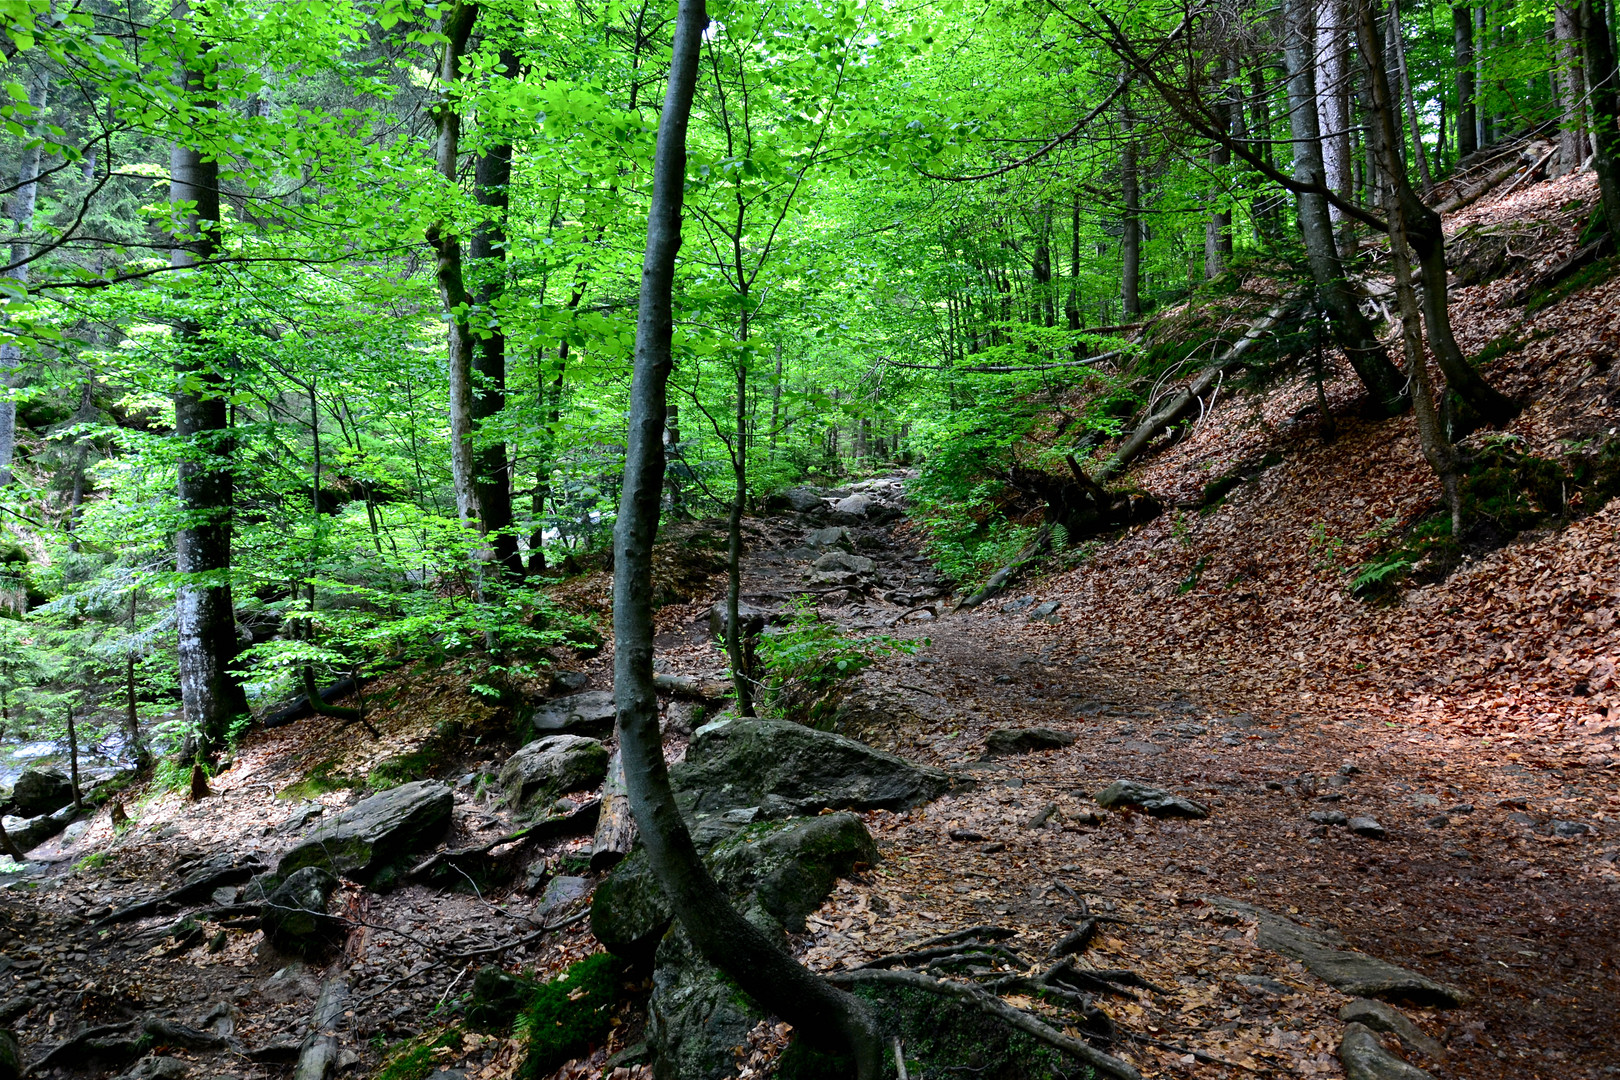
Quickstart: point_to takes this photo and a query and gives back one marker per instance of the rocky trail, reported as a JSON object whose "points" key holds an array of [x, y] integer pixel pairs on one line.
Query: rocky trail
{"points": [[1215, 887]]}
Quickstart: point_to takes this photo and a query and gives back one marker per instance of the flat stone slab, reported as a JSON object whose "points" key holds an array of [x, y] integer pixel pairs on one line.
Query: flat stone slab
{"points": [[1150, 800], [591, 713], [1002, 741], [368, 835], [1324, 955], [787, 769]]}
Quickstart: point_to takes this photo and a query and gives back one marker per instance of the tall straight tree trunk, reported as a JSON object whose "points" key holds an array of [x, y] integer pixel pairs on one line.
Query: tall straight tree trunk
{"points": [[1462, 37], [1130, 243], [23, 201], [1333, 105], [1383, 136], [1571, 86], [1071, 301], [1600, 65], [1385, 385], [1484, 129], [759, 965], [457, 28], [741, 670], [492, 474], [204, 613], [1218, 226]]}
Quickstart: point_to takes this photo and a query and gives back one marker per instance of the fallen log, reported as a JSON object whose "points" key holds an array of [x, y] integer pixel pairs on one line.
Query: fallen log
{"points": [[318, 1057], [1180, 403], [1000, 579], [615, 827]]}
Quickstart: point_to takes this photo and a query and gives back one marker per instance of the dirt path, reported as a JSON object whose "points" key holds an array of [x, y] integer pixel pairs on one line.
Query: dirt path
{"points": [[1492, 900]]}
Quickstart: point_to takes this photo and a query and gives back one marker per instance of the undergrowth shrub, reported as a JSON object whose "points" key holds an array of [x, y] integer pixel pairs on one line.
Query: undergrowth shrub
{"points": [[808, 655]]}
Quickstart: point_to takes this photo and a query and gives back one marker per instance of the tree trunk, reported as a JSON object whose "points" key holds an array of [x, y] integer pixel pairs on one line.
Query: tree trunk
{"points": [[457, 28], [492, 482], [1333, 106], [1382, 138], [1571, 87], [1601, 70], [1462, 36], [1385, 385], [1399, 38], [736, 946], [615, 826], [736, 651], [1218, 226], [22, 203], [204, 614], [1130, 244], [132, 716]]}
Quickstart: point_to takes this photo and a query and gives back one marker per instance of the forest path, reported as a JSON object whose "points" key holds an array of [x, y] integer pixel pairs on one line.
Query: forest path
{"points": [[1490, 900]]}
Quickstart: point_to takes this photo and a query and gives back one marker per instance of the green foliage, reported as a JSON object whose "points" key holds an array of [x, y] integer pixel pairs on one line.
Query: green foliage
{"points": [[419, 1057], [809, 654], [569, 1014]]}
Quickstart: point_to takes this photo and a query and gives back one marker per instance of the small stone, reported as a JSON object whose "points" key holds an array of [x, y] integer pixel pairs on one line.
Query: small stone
{"points": [[1521, 819], [1460, 808], [1046, 612], [1261, 982], [1347, 769], [1329, 817], [994, 848], [966, 836], [1002, 741], [1570, 828], [1439, 821], [226, 895], [563, 891], [1042, 816], [1154, 801], [1368, 827]]}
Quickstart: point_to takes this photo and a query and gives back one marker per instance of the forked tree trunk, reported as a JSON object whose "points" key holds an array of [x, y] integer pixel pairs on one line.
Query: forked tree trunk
{"points": [[1385, 385], [759, 965], [1382, 140], [204, 614]]}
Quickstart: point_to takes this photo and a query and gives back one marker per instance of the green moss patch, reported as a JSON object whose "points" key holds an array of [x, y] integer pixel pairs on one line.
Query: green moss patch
{"points": [[568, 1015], [418, 1058]]}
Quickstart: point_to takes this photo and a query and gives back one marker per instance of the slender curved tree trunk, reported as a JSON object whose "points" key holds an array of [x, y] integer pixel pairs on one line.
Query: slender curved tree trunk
{"points": [[759, 965], [204, 613], [1385, 385]]}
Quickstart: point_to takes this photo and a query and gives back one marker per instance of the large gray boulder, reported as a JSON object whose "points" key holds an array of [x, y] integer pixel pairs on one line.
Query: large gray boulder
{"points": [[788, 769], [591, 713], [294, 916], [1325, 955], [41, 791], [843, 562], [546, 768], [375, 832], [29, 833], [776, 873], [803, 500], [780, 871]]}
